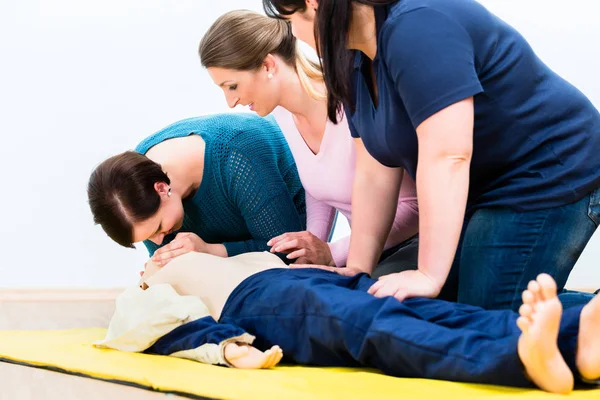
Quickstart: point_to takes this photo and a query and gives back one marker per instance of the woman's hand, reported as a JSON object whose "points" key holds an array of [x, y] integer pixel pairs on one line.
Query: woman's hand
{"points": [[306, 247], [344, 271], [184, 242], [406, 284]]}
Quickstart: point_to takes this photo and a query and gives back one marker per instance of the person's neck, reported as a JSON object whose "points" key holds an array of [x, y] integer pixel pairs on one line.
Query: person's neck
{"points": [[297, 101], [362, 34], [184, 165]]}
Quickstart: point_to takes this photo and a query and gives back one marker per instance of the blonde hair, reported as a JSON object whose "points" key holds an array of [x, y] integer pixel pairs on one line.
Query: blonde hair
{"points": [[242, 39]]}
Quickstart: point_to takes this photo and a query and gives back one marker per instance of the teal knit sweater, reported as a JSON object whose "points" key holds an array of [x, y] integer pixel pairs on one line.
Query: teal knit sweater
{"points": [[250, 189]]}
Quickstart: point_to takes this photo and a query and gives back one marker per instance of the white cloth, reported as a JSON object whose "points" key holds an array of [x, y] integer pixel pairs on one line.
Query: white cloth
{"points": [[144, 316]]}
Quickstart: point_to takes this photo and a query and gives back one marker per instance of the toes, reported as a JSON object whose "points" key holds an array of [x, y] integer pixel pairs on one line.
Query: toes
{"points": [[534, 288], [547, 286], [523, 323], [526, 311], [528, 297]]}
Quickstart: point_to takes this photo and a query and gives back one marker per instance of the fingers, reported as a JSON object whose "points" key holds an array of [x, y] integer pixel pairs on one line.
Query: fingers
{"points": [[400, 294], [276, 239], [272, 357], [166, 249], [375, 287], [346, 271], [281, 238], [286, 237], [297, 254], [285, 246], [387, 288], [164, 258], [315, 266]]}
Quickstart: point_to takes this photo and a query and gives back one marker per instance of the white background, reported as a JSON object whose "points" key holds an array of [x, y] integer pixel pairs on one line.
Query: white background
{"points": [[83, 80]]}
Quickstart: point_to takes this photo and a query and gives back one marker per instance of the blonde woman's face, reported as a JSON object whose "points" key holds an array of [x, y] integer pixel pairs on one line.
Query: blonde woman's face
{"points": [[254, 89]]}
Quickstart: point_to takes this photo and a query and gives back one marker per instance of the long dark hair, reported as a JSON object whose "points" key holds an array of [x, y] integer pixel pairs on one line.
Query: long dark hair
{"points": [[331, 34], [282, 8], [121, 193]]}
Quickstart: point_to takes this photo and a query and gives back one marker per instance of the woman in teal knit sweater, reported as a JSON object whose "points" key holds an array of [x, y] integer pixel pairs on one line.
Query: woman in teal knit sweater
{"points": [[219, 184]]}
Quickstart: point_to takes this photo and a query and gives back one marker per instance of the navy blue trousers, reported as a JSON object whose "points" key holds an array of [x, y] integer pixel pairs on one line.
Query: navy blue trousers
{"points": [[322, 318]]}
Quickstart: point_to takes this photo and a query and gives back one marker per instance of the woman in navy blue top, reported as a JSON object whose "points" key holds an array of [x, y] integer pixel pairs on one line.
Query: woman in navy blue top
{"points": [[505, 153]]}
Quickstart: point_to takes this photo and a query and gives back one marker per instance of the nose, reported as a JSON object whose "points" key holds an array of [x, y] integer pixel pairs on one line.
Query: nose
{"points": [[232, 101], [157, 239]]}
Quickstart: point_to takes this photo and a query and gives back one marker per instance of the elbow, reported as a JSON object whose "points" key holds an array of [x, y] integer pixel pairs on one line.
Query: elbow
{"points": [[460, 158]]}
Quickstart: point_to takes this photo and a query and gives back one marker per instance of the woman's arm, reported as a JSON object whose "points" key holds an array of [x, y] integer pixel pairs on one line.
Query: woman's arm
{"points": [[445, 148], [374, 202], [406, 223], [262, 196], [319, 217]]}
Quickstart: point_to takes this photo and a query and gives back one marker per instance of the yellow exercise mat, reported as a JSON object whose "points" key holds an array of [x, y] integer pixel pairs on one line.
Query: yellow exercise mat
{"points": [[71, 351]]}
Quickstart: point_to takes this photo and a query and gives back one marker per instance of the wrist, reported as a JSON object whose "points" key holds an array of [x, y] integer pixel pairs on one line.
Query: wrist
{"points": [[360, 269], [216, 249], [436, 282]]}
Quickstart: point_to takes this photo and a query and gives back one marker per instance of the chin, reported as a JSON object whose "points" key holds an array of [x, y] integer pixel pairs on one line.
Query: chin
{"points": [[264, 112]]}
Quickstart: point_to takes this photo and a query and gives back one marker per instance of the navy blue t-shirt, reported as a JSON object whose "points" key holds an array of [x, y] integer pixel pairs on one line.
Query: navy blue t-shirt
{"points": [[536, 137]]}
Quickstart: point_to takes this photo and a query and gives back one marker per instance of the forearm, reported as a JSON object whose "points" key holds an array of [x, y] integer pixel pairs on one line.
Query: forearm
{"points": [[443, 186], [374, 203], [216, 249], [339, 251], [319, 217]]}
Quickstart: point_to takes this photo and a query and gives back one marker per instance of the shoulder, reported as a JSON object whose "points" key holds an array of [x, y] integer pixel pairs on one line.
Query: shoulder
{"points": [[410, 19], [177, 129]]}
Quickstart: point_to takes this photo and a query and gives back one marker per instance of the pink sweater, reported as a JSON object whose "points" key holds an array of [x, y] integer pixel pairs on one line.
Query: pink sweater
{"points": [[327, 178]]}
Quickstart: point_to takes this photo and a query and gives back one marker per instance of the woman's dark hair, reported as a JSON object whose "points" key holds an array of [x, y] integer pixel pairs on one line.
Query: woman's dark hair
{"points": [[121, 192], [331, 37], [283, 8]]}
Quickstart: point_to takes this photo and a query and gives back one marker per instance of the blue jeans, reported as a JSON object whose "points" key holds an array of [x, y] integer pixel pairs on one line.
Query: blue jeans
{"points": [[322, 318], [501, 250]]}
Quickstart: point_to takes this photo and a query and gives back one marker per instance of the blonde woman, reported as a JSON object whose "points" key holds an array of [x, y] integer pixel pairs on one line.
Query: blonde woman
{"points": [[257, 63]]}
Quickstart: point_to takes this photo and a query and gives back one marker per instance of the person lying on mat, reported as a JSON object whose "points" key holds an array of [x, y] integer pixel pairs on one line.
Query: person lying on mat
{"points": [[318, 317], [220, 184]]}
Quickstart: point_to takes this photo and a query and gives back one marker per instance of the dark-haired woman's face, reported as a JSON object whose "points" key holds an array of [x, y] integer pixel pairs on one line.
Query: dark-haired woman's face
{"points": [[168, 219], [303, 26]]}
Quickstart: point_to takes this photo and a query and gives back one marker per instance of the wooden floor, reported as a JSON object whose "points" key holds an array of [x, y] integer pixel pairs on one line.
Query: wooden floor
{"points": [[60, 309]]}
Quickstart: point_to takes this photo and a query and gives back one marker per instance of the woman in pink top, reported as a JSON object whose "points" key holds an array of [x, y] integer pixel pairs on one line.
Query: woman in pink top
{"points": [[255, 60]]}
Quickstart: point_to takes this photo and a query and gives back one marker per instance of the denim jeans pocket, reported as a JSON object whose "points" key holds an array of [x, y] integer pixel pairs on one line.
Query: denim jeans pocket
{"points": [[594, 207]]}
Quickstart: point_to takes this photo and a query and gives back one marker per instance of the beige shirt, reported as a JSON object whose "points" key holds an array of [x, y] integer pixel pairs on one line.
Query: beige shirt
{"points": [[209, 277], [190, 287]]}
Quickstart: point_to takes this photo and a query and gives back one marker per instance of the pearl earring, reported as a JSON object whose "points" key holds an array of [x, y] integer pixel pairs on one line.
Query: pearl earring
{"points": [[169, 193], [270, 75]]}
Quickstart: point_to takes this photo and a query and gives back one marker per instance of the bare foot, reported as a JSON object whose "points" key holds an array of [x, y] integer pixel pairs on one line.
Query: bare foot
{"points": [[588, 354], [538, 348]]}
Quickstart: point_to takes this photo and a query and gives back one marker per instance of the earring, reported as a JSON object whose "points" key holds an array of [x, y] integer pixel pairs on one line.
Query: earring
{"points": [[169, 193], [270, 76]]}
